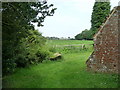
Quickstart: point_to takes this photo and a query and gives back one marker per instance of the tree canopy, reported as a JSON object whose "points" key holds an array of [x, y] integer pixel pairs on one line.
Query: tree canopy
{"points": [[86, 35], [18, 33], [100, 12]]}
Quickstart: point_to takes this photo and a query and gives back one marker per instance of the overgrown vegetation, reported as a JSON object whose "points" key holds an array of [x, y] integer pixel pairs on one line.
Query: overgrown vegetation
{"points": [[69, 72], [71, 49], [22, 44], [69, 46]]}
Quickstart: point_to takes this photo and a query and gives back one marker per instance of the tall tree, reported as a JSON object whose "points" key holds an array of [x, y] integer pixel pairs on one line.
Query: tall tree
{"points": [[16, 22], [100, 11]]}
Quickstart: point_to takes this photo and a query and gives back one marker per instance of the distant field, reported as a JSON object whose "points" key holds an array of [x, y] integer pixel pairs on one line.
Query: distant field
{"points": [[70, 46], [68, 42]]}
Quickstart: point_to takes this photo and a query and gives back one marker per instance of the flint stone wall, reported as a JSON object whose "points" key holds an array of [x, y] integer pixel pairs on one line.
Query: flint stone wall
{"points": [[106, 55]]}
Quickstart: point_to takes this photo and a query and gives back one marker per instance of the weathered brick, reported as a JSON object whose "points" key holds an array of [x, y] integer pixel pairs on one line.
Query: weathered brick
{"points": [[106, 55]]}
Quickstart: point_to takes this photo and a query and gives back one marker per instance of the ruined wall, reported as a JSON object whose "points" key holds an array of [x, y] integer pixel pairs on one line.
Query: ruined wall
{"points": [[105, 57], [119, 38]]}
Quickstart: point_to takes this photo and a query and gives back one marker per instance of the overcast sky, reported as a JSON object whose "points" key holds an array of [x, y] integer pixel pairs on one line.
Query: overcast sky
{"points": [[70, 18]]}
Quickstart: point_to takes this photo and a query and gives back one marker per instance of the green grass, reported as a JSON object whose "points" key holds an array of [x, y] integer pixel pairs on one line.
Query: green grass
{"points": [[68, 42], [69, 72], [73, 46]]}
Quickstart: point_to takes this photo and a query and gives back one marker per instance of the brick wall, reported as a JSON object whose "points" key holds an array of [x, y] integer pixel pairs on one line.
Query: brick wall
{"points": [[106, 55]]}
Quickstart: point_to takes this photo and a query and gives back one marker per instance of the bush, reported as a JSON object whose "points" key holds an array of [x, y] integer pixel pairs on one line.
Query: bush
{"points": [[33, 49], [29, 50], [42, 54], [8, 66], [21, 61]]}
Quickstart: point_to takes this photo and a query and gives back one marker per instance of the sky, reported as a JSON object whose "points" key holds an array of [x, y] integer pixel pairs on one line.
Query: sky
{"points": [[70, 18]]}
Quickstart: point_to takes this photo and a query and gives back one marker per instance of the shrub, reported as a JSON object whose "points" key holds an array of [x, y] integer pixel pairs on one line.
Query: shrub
{"points": [[21, 61], [29, 50], [8, 66], [42, 54]]}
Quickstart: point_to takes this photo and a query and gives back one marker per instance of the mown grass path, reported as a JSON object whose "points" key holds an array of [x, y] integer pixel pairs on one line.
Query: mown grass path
{"points": [[70, 72]]}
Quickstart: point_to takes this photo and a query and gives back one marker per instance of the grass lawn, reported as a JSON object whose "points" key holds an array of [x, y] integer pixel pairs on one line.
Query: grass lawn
{"points": [[69, 72]]}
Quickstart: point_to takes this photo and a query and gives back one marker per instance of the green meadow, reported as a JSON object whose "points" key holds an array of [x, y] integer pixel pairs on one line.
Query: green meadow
{"points": [[68, 72], [68, 42]]}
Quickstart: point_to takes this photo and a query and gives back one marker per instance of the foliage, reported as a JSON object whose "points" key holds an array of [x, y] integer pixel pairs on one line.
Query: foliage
{"points": [[18, 35], [84, 35], [100, 12], [30, 48], [9, 66]]}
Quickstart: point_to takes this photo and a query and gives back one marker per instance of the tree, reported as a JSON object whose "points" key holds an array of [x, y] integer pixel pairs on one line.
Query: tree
{"points": [[86, 34], [100, 11], [17, 18]]}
